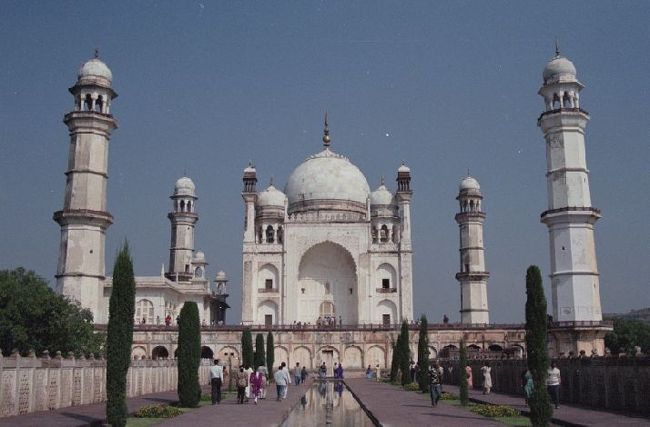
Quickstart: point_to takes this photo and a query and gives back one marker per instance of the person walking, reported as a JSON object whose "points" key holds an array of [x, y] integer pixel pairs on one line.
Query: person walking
{"points": [[322, 371], [338, 372], [216, 380], [297, 374], [470, 381], [487, 378], [256, 382], [369, 372], [377, 373], [248, 372], [287, 376], [528, 385], [553, 382], [303, 374], [434, 383], [280, 382], [242, 382]]}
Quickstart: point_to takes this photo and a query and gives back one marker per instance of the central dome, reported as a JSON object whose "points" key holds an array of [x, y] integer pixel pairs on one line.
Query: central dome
{"points": [[325, 179]]}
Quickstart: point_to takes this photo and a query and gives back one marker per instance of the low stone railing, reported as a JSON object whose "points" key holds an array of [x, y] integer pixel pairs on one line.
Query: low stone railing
{"points": [[30, 384]]}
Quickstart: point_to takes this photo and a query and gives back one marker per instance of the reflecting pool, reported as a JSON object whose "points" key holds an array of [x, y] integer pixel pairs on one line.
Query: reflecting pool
{"points": [[328, 403]]}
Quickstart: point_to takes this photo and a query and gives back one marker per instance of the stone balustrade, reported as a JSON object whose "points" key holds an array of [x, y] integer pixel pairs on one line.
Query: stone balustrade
{"points": [[30, 383]]}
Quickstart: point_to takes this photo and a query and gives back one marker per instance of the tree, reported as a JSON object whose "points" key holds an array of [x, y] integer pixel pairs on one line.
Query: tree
{"points": [[423, 355], [405, 353], [270, 353], [394, 363], [34, 317], [247, 348], [260, 359], [121, 310], [462, 374], [189, 355], [627, 334], [536, 336]]}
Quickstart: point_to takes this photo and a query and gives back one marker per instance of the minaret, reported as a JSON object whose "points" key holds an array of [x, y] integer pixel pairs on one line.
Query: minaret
{"points": [[403, 196], [84, 217], [472, 275], [183, 219], [570, 217], [249, 194], [219, 296]]}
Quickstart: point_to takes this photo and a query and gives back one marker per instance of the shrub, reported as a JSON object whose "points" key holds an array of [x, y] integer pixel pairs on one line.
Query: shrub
{"points": [[158, 411], [270, 354], [448, 396], [260, 355], [247, 348], [412, 387], [189, 355], [462, 374], [495, 411]]}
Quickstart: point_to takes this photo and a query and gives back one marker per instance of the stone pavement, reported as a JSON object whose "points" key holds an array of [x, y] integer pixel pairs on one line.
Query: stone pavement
{"points": [[84, 415], [565, 415], [394, 407], [268, 412]]}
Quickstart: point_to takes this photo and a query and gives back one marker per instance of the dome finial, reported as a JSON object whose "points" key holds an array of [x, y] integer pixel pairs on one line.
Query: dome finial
{"points": [[557, 47], [271, 181], [382, 180], [96, 53], [326, 133]]}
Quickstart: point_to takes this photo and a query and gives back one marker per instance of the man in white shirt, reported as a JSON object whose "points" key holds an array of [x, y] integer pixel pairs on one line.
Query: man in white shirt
{"points": [[280, 382], [287, 376], [553, 382], [216, 379]]}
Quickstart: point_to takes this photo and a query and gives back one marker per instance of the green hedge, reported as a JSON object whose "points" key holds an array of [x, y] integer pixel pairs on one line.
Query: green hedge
{"points": [[158, 411]]}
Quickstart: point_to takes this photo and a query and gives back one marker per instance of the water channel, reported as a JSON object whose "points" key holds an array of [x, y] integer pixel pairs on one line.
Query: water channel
{"points": [[328, 403]]}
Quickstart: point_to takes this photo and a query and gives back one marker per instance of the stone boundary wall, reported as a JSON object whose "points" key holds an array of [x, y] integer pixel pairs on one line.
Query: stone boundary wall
{"points": [[611, 383], [30, 384]]}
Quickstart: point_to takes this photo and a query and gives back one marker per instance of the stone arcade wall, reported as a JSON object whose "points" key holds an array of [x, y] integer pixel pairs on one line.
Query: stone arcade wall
{"points": [[621, 384], [30, 384]]}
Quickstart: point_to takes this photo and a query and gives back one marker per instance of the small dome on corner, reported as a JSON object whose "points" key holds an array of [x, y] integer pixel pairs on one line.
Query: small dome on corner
{"points": [[199, 256], [221, 275], [559, 67], [381, 196], [271, 197]]}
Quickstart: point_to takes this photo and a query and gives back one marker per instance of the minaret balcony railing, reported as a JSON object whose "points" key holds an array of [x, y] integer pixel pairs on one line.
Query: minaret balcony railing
{"points": [[562, 110], [594, 211], [472, 276], [386, 290]]}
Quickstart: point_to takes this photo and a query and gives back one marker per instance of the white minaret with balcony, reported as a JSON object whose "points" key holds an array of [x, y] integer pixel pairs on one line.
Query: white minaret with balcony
{"points": [[84, 217], [183, 219], [472, 275], [570, 217]]}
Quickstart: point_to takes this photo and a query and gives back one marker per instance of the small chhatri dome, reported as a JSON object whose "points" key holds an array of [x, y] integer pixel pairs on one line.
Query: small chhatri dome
{"points": [[271, 197], [95, 68], [559, 68], [381, 196], [199, 257], [184, 187], [403, 168], [469, 183], [250, 168], [221, 276]]}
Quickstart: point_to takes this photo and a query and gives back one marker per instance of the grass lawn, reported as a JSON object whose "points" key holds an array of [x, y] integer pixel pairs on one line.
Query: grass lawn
{"points": [[145, 422]]}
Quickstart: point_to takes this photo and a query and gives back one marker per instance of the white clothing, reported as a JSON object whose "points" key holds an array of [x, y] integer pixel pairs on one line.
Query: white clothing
{"points": [[553, 377], [216, 371]]}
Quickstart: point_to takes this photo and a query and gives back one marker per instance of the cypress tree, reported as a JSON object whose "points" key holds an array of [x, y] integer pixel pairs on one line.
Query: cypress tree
{"points": [[462, 374], [423, 355], [394, 364], [536, 336], [405, 353], [189, 355], [119, 338], [270, 353], [260, 359], [247, 348]]}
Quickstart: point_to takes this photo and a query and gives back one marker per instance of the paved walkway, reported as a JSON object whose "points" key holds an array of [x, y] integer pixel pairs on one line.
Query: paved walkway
{"points": [[565, 415], [84, 415], [394, 407], [268, 412]]}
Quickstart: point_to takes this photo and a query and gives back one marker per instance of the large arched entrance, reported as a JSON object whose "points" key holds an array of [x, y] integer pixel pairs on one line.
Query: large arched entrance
{"points": [[327, 285]]}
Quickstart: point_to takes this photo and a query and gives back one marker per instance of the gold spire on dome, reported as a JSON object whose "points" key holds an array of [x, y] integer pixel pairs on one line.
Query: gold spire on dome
{"points": [[557, 47], [326, 133], [382, 180], [271, 181], [96, 53]]}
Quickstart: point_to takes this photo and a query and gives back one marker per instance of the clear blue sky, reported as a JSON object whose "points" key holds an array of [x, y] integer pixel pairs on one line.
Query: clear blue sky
{"points": [[446, 86]]}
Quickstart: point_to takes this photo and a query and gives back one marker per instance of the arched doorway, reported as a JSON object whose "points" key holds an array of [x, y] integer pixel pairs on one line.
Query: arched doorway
{"points": [[159, 352], [327, 284], [206, 352]]}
